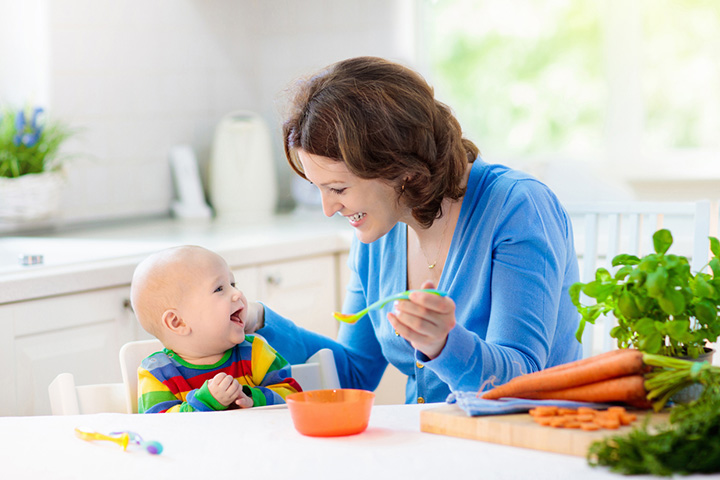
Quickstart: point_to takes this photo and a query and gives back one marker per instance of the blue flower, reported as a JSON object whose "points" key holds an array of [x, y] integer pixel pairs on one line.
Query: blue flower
{"points": [[36, 113], [19, 127], [27, 135]]}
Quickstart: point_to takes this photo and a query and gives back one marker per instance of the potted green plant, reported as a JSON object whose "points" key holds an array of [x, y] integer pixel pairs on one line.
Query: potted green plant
{"points": [[30, 164], [661, 306]]}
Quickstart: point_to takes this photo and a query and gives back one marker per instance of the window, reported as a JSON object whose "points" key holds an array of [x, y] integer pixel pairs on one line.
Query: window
{"points": [[615, 81]]}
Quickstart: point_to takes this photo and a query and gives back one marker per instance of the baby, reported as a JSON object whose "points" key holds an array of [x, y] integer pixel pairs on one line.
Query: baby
{"points": [[186, 297]]}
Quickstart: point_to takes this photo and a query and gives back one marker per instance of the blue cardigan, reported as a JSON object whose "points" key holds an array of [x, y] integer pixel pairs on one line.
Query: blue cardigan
{"points": [[509, 267]]}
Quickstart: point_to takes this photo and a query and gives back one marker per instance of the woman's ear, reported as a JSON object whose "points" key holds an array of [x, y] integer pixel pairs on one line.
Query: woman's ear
{"points": [[172, 320]]}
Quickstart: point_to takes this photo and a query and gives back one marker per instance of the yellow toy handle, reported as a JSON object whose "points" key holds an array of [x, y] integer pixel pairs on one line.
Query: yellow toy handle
{"points": [[121, 440]]}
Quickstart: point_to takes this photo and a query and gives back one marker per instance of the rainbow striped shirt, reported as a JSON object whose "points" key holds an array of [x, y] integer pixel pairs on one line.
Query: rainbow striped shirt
{"points": [[167, 383]]}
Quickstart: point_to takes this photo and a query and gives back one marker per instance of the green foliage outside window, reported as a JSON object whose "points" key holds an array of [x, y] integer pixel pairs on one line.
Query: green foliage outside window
{"points": [[530, 77]]}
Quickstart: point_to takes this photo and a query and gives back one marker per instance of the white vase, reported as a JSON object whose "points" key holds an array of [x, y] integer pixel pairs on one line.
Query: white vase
{"points": [[30, 197]]}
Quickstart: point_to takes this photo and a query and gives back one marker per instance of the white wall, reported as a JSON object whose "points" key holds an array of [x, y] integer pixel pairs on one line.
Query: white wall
{"points": [[138, 77]]}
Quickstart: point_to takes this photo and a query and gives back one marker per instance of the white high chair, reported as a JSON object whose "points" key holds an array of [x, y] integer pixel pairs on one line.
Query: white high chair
{"points": [[66, 398]]}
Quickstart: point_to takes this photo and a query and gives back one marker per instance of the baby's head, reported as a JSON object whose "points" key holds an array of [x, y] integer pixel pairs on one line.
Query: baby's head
{"points": [[186, 297]]}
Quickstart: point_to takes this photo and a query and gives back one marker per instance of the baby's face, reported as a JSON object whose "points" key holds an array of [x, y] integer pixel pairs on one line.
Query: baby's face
{"points": [[212, 306]]}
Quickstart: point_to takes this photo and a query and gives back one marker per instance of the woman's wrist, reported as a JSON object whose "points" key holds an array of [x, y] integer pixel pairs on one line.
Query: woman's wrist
{"points": [[257, 315]]}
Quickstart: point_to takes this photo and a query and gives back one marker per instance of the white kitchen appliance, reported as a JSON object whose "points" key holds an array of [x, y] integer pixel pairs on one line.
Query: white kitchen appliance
{"points": [[190, 202], [241, 172]]}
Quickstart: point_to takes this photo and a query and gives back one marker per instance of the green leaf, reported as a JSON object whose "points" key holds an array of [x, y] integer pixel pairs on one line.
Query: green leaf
{"points": [[645, 303], [706, 312], [662, 239], [625, 259], [656, 282], [646, 326], [627, 306], [574, 292], [675, 261], [678, 330], [715, 267], [715, 246], [672, 302], [701, 288], [598, 290], [652, 343], [602, 275], [637, 277], [581, 328], [624, 272], [649, 263]]}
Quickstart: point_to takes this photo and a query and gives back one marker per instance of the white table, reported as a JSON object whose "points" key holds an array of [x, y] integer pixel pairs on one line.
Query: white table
{"points": [[262, 442]]}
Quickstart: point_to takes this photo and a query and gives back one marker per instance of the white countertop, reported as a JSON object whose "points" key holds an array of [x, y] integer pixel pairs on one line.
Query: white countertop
{"points": [[106, 257], [262, 443]]}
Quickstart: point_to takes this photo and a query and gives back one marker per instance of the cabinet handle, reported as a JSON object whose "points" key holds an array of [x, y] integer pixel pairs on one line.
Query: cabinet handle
{"points": [[274, 280], [127, 305]]}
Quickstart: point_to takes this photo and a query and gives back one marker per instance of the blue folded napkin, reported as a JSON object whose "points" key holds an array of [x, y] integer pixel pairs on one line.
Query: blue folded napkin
{"points": [[474, 405]]}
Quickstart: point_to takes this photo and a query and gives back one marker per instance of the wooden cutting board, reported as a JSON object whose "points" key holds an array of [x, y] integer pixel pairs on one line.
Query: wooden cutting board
{"points": [[518, 430]]}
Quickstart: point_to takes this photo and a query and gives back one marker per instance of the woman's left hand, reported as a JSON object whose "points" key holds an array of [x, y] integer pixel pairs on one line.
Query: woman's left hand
{"points": [[424, 321]]}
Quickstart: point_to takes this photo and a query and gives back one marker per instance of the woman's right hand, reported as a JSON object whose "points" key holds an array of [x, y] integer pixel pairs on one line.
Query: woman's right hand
{"points": [[255, 319]]}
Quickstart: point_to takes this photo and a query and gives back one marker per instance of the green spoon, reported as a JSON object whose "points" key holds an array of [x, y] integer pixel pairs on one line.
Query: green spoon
{"points": [[354, 317]]}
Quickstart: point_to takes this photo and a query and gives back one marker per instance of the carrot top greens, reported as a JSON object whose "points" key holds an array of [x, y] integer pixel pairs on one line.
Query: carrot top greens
{"points": [[689, 443]]}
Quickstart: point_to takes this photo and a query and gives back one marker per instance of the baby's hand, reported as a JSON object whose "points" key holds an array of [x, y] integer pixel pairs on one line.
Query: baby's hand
{"points": [[224, 388], [243, 401]]}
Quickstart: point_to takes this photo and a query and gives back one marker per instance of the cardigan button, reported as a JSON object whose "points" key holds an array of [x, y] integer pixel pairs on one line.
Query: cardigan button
{"points": [[419, 365], [421, 400]]}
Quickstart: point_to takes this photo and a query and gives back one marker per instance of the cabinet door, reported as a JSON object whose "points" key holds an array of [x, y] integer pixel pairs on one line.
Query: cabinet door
{"points": [[81, 334], [302, 290], [247, 279]]}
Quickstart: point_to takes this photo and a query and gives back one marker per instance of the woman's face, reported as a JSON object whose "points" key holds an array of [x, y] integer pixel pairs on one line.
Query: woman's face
{"points": [[370, 206]]}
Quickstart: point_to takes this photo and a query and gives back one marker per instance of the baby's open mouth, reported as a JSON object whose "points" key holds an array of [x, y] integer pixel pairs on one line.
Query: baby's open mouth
{"points": [[235, 317]]}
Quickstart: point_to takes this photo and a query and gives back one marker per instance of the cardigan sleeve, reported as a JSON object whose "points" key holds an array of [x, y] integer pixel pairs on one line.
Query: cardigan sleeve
{"points": [[358, 358]]}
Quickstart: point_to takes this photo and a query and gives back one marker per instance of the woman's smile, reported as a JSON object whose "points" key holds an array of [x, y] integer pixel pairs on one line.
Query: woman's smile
{"points": [[355, 218]]}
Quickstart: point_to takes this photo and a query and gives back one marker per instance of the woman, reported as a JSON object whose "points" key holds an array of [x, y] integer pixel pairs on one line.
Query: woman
{"points": [[428, 212]]}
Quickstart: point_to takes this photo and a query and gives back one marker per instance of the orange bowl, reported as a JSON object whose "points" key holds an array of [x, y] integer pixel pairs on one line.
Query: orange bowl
{"points": [[330, 413]]}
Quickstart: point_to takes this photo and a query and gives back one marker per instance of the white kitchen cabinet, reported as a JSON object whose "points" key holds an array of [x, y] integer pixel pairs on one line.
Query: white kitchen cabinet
{"points": [[303, 290], [79, 333]]}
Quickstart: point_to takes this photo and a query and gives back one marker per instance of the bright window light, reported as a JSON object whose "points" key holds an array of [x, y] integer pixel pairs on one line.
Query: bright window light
{"points": [[618, 80]]}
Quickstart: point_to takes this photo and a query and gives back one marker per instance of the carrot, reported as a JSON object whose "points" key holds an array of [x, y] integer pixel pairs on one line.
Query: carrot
{"points": [[544, 411], [584, 418], [574, 374], [628, 389], [627, 418], [543, 420], [584, 361], [609, 423], [586, 411]]}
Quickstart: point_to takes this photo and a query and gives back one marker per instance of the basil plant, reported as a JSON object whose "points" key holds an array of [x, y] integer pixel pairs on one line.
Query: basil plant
{"points": [[661, 307]]}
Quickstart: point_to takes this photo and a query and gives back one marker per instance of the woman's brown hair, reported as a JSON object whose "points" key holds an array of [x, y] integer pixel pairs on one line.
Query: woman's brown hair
{"points": [[382, 120]]}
